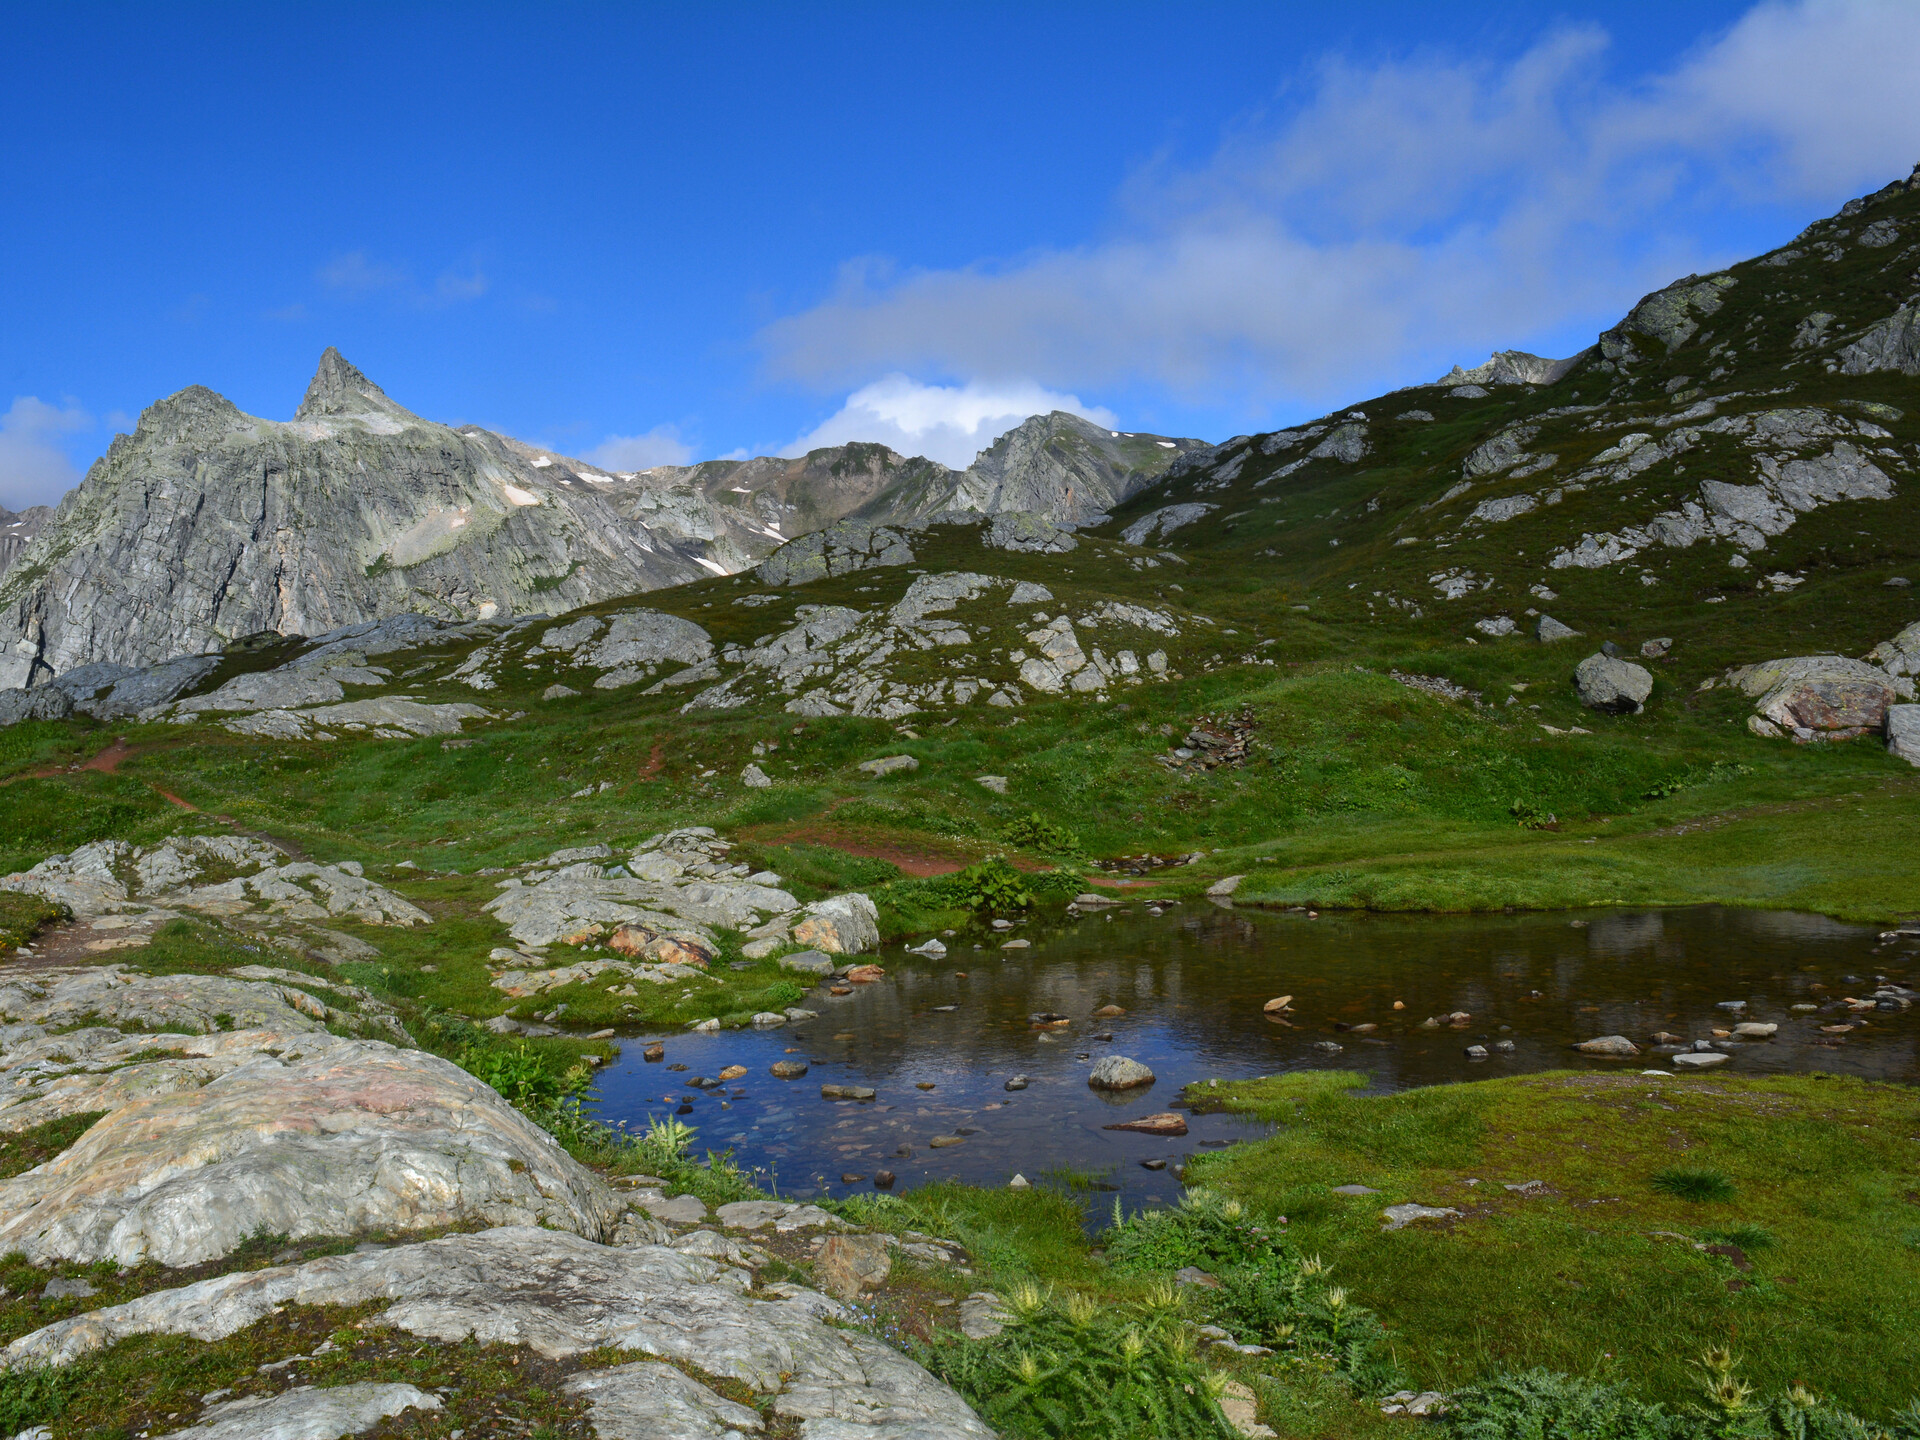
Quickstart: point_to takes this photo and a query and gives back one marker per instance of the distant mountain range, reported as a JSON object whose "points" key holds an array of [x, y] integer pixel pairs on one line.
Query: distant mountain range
{"points": [[207, 525]]}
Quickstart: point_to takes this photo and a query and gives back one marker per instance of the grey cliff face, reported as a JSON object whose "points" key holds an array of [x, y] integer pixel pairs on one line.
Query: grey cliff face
{"points": [[1063, 467], [207, 524], [17, 528]]}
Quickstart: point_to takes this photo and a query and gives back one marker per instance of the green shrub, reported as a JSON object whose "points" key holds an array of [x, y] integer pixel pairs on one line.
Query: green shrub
{"points": [[1033, 831], [521, 1074], [1081, 1368], [1696, 1183], [1540, 1405]]}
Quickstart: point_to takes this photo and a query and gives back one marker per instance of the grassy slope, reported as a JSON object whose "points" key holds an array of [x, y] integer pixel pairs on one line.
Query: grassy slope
{"points": [[1577, 1279]]}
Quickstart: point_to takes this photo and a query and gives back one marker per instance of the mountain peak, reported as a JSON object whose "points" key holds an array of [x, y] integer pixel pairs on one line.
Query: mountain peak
{"points": [[339, 388]]}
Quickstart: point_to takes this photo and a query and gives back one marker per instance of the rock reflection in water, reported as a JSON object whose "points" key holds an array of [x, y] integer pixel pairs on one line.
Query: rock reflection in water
{"points": [[1193, 984]]}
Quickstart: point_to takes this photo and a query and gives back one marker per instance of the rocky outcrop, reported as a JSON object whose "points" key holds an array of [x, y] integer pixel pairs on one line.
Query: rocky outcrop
{"points": [[111, 877], [1826, 695], [843, 547], [1164, 521], [1671, 316], [1892, 344], [1063, 467], [1903, 732], [1512, 367], [563, 1296], [301, 1135]]}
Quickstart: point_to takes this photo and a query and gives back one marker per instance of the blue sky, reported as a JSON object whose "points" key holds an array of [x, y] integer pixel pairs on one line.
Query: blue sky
{"points": [[648, 234]]}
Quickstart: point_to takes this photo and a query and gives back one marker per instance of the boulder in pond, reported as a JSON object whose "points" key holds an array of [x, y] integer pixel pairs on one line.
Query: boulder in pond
{"points": [[1117, 1072], [1168, 1122], [1614, 686], [1614, 1046]]}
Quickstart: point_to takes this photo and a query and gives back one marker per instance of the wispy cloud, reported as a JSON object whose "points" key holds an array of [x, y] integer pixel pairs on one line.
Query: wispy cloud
{"points": [[34, 469], [661, 445], [1406, 215], [948, 423], [357, 275]]}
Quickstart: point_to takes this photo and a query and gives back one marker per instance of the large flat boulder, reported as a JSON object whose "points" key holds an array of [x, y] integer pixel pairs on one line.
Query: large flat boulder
{"points": [[562, 1296], [309, 1135], [1828, 694]]}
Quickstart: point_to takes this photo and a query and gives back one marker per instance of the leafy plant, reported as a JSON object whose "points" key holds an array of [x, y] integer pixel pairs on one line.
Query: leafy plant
{"points": [[1033, 831], [1079, 1368], [1540, 1405], [991, 885], [1699, 1184], [1531, 817], [521, 1074]]}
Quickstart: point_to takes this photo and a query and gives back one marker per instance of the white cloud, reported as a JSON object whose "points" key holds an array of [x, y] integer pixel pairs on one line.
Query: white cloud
{"points": [[34, 469], [1410, 214], [948, 423], [661, 445], [356, 275]]}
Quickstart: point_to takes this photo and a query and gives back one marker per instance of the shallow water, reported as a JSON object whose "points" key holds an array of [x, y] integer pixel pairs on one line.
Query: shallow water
{"points": [[1193, 983]]}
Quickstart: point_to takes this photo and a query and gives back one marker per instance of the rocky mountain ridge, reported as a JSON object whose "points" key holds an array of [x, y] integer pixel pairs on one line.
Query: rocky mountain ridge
{"points": [[206, 525]]}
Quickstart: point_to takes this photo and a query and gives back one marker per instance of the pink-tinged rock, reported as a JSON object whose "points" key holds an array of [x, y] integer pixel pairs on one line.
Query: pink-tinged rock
{"points": [[325, 1137], [1165, 1123]]}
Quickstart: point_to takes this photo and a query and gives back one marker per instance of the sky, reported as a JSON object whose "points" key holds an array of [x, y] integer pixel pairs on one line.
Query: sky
{"points": [[655, 234]]}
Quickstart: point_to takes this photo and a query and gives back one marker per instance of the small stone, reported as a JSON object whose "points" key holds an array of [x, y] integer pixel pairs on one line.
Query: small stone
{"points": [[1019, 1182], [1401, 1216], [1222, 888], [706, 1026], [996, 783], [68, 1290], [888, 765], [1018, 1082], [1754, 1030], [1703, 1060], [864, 975], [1194, 1275], [733, 1072], [1613, 1046], [807, 962], [846, 1092], [787, 1069], [1165, 1123], [1117, 1072], [942, 1142], [1354, 1190], [1503, 1047], [754, 778], [1107, 1012], [1277, 1004], [1017, 945], [883, 1179], [1550, 631], [1616, 687], [1476, 1052], [1328, 1047], [1153, 1164]]}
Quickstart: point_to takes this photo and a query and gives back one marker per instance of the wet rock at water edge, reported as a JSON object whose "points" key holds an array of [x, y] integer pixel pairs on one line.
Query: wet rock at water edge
{"points": [[1108, 1012], [846, 1092], [1328, 1047], [1699, 1060], [942, 1142], [787, 1069], [1476, 1052], [1754, 1030], [1609, 1046], [1165, 1123], [883, 1179], [1018, 1082], [1117, 1072], [1155, 1164]]}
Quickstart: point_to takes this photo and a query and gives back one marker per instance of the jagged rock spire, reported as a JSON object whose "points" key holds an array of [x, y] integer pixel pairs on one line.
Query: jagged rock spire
{"points": [[339, 388]]}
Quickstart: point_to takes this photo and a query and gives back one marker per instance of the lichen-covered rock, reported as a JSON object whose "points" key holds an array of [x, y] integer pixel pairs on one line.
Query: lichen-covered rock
{"points": [[313, 1135], [1164, 521], [840, 925], [841, 548], [307, 1413], [1903, 732], [1893, 344], [1027, 532], [563, 1295], [1618, 687], [1821, 692], [1117, 1072]]}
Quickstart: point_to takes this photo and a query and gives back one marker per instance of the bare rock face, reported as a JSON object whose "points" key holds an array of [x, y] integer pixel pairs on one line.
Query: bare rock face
{"points": [[17, 528], [307, 1413], [563, 1295], [207, 524], [1823, 693], [309, 1136], [1893, 344], [1903, 732], [1063, 467]]}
